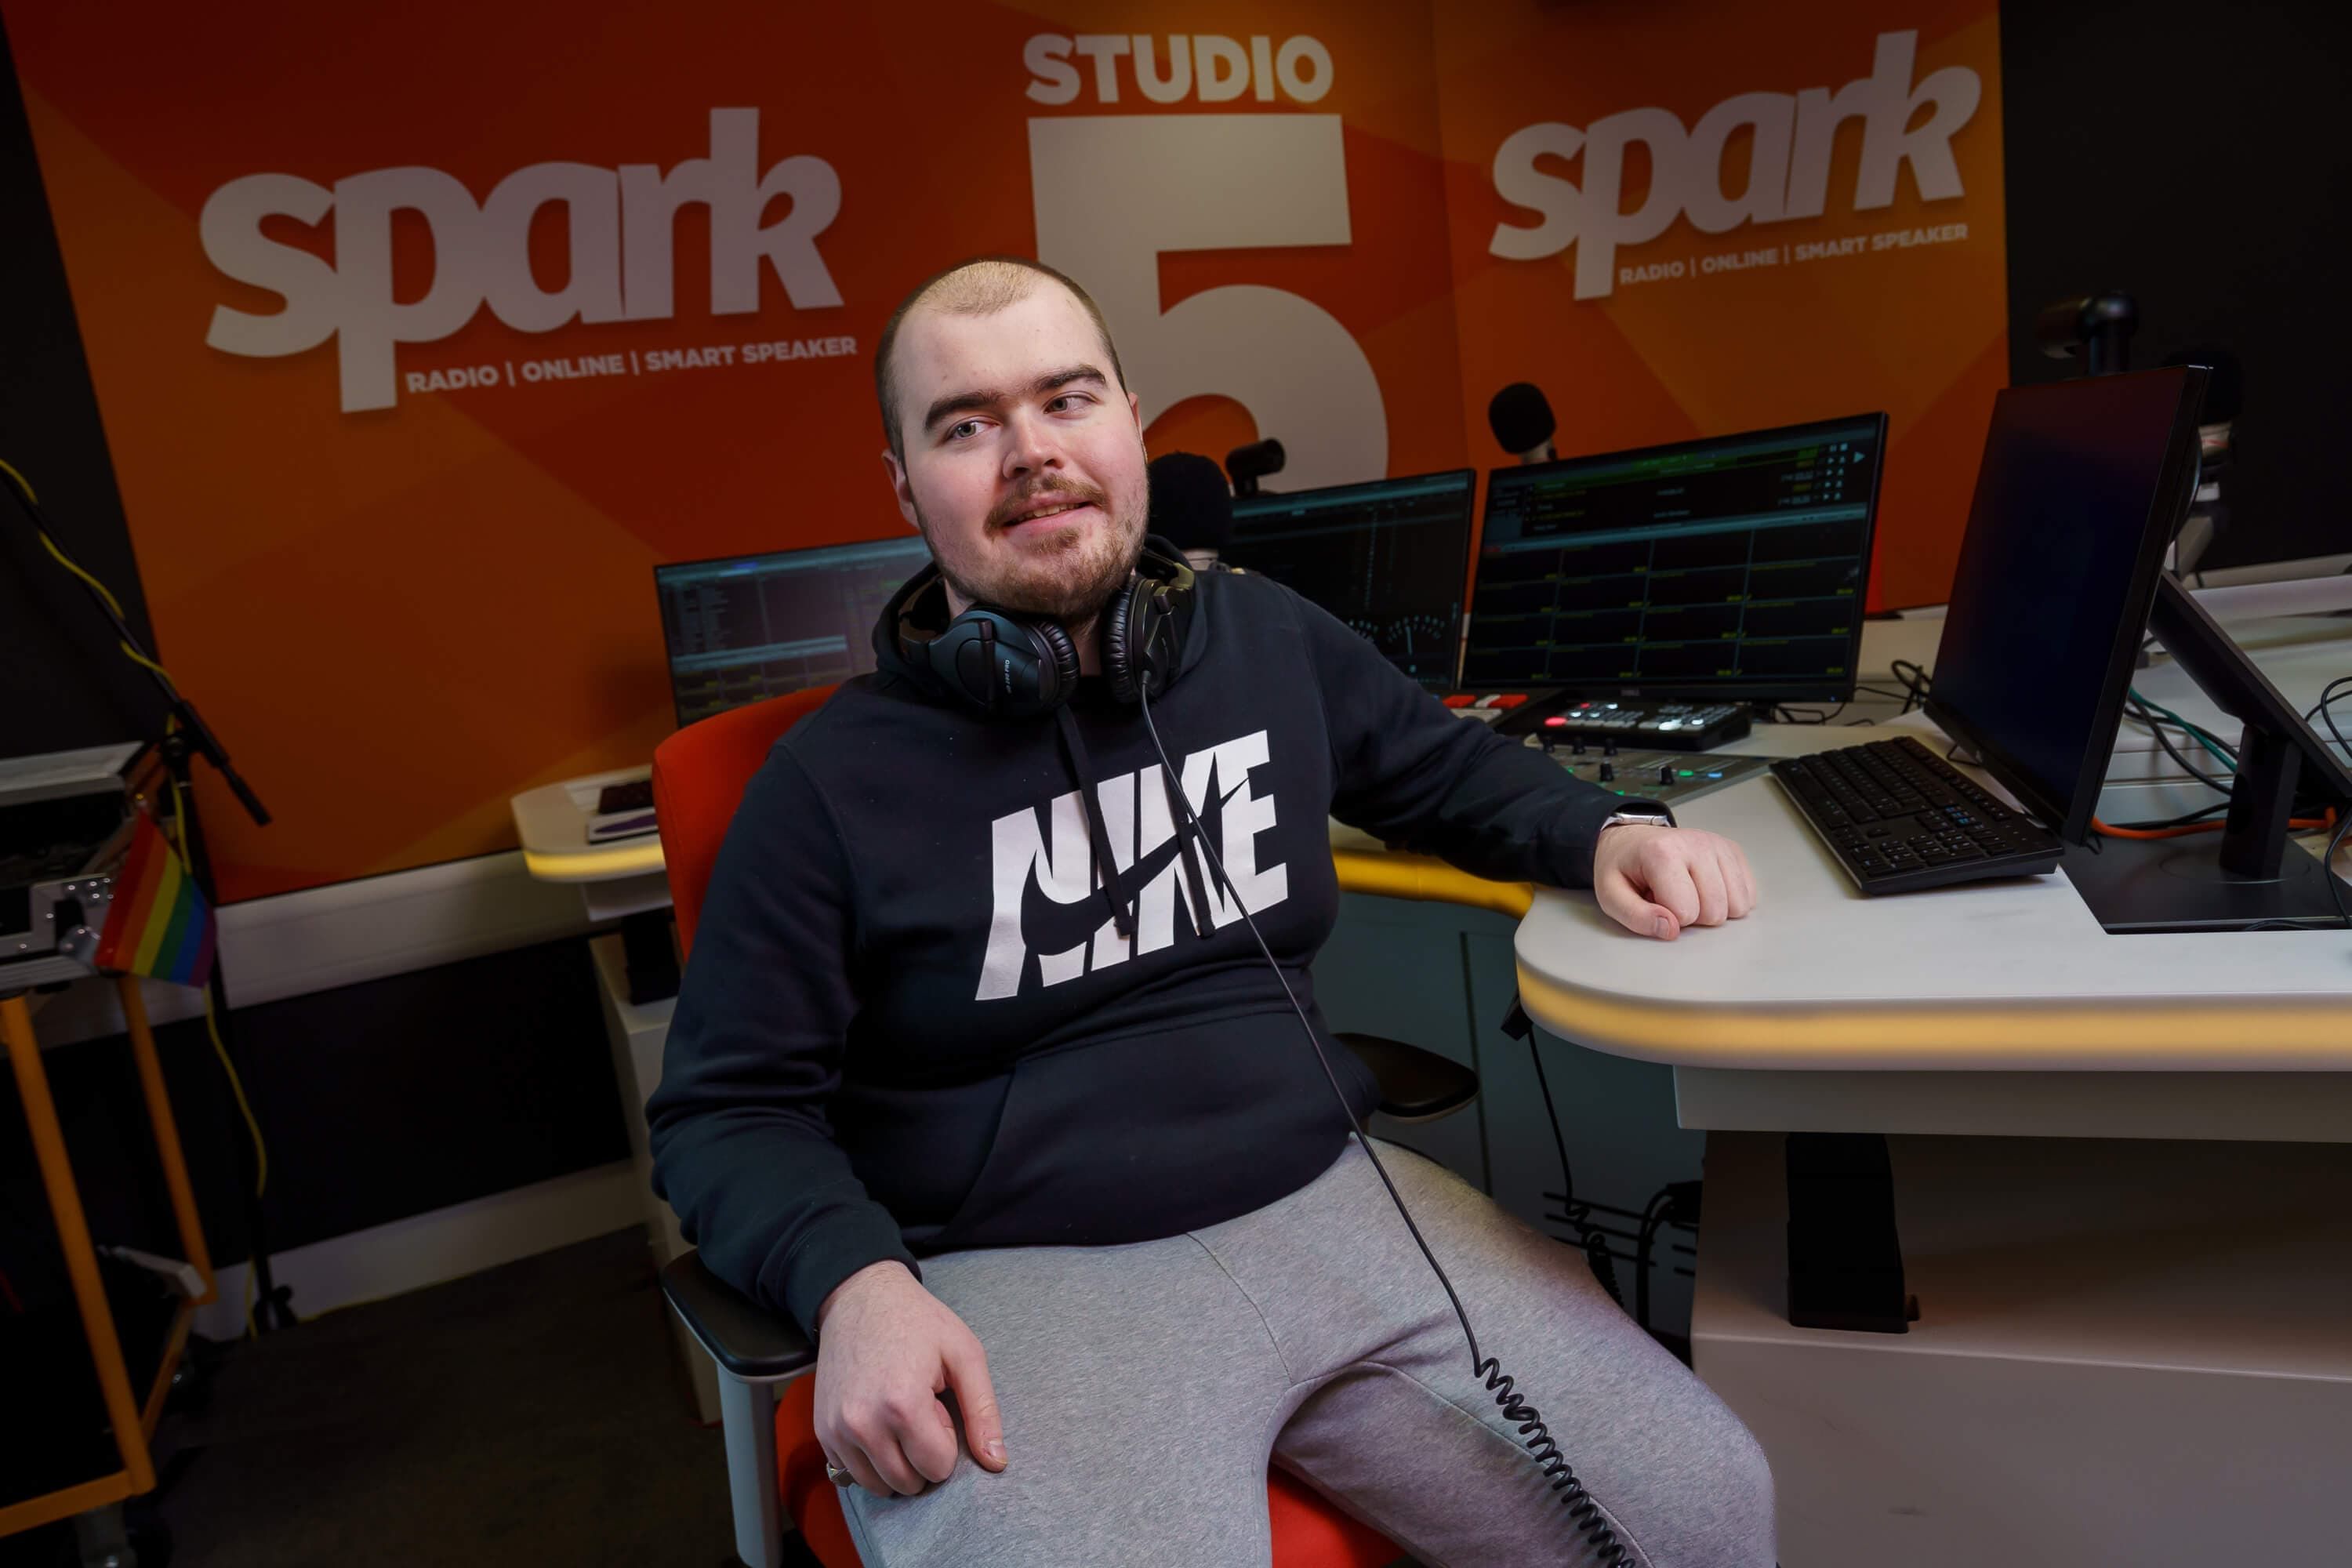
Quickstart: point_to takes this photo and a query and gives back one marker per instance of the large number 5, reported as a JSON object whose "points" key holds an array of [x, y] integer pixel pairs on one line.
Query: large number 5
{"points": [[1113, 192]]}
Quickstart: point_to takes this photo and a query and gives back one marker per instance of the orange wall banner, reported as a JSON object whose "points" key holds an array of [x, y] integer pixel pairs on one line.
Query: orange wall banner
{"points": [[420, 337], [1684, 220]]}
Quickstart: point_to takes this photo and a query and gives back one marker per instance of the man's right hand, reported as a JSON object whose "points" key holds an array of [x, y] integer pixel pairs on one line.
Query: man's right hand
{"points": [[887, 1350]]}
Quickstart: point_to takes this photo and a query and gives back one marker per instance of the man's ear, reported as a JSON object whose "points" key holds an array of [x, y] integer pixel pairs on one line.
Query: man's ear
{"points": [[898, 488]]}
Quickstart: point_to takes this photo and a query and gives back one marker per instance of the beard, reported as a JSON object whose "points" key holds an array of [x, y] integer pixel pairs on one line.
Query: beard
{"points": [[1068, 579]]}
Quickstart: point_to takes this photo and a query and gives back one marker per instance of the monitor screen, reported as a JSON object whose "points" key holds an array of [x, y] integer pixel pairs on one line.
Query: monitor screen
{"points": [[1388, 558], [751, 627], [1733, 567], [2084, 484]]}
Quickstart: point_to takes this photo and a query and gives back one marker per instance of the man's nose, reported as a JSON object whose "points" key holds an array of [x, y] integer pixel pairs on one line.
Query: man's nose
{"points": [[1032, 445]]}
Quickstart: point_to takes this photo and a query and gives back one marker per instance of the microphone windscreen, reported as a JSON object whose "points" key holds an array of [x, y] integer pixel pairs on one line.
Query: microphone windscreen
{"points": [[1257, 460], [1192, 507], [2059, 328], [2225, 381], [1520, 417]]}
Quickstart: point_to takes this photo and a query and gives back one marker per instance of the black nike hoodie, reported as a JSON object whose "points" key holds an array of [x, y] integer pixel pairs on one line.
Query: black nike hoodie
{"points": [[909, 1024]]}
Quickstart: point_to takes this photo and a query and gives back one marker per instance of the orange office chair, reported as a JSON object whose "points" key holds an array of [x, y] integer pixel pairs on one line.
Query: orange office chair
{"points": [[774, 1464]]}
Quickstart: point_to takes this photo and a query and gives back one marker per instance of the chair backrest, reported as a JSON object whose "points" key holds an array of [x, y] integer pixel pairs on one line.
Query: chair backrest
{"points": [[700, 775]]}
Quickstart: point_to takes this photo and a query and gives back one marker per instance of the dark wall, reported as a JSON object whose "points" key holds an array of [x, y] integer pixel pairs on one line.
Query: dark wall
{"points": [[2194, 155], [381, 1100], [62, 684]]}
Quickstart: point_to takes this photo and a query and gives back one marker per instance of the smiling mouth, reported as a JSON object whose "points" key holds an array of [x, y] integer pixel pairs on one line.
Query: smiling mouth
{"points": [[1046, 514]]}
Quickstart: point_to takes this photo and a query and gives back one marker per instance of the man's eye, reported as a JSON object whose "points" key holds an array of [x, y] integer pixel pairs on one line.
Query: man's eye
{"points": [[1072, 399], [963, 430]]}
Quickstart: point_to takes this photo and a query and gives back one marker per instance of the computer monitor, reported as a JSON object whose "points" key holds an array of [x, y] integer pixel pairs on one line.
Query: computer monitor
{"points": [[1732, 568], [2084, 485], [1390, 558], [744, 627]]}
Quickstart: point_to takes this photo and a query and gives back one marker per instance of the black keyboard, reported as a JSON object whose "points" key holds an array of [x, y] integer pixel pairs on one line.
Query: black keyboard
{"points": [[1898, 817]]}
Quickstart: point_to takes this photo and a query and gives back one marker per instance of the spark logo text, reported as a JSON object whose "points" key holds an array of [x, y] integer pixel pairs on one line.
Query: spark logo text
{"points": [[1789, 169], [618, 223]]}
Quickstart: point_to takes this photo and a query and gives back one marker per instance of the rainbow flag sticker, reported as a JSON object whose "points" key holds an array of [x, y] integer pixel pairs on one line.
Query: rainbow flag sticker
{"points": [[160, 925]]}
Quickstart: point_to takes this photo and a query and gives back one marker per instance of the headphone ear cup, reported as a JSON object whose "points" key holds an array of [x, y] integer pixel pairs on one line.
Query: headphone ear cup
{"points": [[1129, 624], [1003, 665], [1057, 667]]}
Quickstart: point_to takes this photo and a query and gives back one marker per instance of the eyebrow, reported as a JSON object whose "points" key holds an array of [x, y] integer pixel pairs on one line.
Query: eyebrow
{"points": [[983, 398]]}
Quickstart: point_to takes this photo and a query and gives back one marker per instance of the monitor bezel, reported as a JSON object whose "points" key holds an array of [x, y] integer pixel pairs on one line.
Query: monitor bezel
{"points": [[2176, 488], [661, 599], [1718, 689], [1470, 528]]}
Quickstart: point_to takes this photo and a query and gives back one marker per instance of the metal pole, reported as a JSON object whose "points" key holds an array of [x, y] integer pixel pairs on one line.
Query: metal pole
{"points": [[272, 1303]]}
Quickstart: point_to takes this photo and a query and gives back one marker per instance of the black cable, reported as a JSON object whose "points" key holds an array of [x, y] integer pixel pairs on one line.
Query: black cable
{"points": [[1584, 1513], [2188, 819], [1806, 715], [2328, 696], [1916, 684], [2154, 716], [2157, 724], [1652, 1217], [1578, 1215], [2141, 712], [2327, 862]]}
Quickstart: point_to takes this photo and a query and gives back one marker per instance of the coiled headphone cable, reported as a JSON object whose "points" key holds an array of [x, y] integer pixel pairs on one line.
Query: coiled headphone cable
{"points": [[1583, 1511]]}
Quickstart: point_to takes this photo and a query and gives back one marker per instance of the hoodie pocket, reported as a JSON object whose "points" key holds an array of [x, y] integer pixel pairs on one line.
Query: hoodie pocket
{"points": [[1149, 1135]]}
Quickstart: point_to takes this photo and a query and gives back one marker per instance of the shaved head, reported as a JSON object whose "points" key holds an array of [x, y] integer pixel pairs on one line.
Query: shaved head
{"points": [[982, 287]]}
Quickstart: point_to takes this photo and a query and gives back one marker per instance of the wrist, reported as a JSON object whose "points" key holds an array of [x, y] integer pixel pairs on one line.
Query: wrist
{"points": [[1634, 814], [864, 1278]]}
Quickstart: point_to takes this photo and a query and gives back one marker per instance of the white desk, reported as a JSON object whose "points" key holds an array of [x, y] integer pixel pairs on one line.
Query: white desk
{"points": [[616, 880], [2134, 1271]]}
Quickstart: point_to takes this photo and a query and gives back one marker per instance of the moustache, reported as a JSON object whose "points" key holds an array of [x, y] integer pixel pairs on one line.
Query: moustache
{"points": [[1004, 513]]}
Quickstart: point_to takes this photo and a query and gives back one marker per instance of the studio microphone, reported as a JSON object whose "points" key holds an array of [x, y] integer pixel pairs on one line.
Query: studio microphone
{"points": [[2225, 393], [1521, 419], [2093, 328], [1191, 508], [1249, 464]]}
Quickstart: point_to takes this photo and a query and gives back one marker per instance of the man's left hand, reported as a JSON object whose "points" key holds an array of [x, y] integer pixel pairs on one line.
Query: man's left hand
{"points": [[1656, 881]]}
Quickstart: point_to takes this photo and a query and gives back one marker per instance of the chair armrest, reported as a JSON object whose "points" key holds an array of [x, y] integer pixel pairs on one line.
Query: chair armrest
{"points": [[1415, 1085], [748, 1341]]}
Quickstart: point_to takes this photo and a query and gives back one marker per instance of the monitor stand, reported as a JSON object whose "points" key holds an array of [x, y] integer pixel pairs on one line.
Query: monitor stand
{"points": [[2137, 885], [2249, 871]]}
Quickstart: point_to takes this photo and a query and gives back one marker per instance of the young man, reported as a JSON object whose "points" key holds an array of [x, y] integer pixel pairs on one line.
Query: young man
{"points": [[960, 992]]}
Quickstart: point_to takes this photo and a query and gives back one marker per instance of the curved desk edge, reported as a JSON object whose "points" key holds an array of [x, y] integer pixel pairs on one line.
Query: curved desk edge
{"points": [[2139, 1034], [1396, 875], [625, 859]]}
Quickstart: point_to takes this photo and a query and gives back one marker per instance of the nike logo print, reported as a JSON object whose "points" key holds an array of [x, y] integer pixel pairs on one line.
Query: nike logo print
{"points": [[1050, 922]]}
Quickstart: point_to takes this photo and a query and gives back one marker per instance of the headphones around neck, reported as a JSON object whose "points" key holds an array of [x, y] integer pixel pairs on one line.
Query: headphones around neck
{"points": [[1008, 664]]}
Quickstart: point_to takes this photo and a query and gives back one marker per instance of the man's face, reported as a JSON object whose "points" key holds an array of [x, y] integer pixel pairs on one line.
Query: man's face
{"points": [[1025, 463]]}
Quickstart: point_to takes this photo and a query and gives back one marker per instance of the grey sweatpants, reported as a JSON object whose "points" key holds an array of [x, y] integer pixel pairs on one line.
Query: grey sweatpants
{"points": [[1145, 1388]]}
